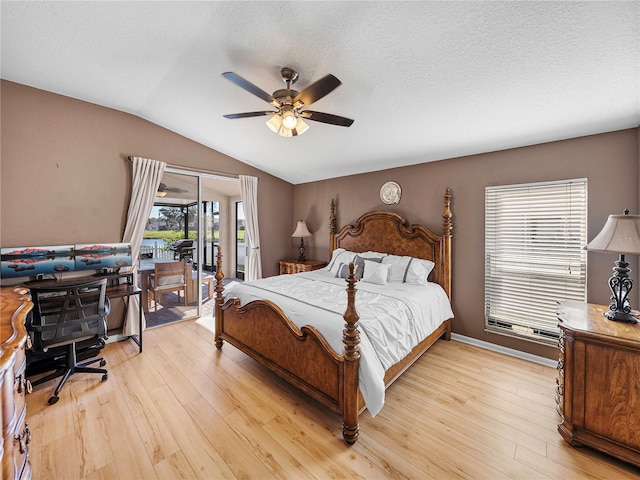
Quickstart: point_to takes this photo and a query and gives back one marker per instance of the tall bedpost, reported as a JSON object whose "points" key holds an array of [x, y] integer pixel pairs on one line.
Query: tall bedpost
{"points": [[447, 228], [351, 340], [219, 298], [332, 228]]}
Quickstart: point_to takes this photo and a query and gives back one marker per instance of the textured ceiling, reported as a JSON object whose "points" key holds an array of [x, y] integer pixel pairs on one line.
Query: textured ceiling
{"points": [[424, 81]]}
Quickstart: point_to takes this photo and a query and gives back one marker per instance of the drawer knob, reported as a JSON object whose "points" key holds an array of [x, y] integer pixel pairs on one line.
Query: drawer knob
{"points": [[24, 439]]}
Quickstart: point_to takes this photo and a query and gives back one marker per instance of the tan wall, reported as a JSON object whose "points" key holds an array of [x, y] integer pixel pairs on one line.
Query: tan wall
{"points": [[610, 162], [65, 177]]}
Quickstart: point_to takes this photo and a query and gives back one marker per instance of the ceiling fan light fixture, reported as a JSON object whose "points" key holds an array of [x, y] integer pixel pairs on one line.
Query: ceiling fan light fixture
{"points": [[277, 125], [160, 193], [289, 120], [301, 127], [275, 122]]}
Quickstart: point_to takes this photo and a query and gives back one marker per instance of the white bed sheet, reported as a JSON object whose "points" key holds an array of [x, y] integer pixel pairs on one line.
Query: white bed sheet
{"points": [[394, 317]]}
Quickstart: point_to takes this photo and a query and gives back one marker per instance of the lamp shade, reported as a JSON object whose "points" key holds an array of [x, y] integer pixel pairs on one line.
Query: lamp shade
{"points": [[301, 230], [620, 234]]}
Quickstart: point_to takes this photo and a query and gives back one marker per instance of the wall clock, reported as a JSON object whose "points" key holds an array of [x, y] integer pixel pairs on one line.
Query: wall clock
{"points": [[390, 193]]}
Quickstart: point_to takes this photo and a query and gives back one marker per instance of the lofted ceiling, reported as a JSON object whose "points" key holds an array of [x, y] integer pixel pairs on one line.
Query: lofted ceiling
{"points": [[423, 80]]}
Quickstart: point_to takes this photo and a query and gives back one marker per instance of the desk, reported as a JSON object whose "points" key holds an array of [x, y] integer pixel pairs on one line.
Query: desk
{"points": [[114, 290], [126, 291]]}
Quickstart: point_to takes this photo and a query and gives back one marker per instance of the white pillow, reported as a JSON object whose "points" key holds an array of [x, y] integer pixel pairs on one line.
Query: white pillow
{"points": [[375, 272], [376, 255], [398, 267], [334, 254], [419, 271], [358, 261], [345, 256]]}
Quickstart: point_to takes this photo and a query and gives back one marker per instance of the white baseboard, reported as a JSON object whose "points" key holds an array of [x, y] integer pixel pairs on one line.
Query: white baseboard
{"points": [[507, 351]]}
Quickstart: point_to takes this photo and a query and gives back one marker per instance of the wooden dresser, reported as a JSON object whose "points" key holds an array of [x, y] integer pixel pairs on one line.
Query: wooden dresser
{"points": [[598, 396], [15, 304], [297, 266]]}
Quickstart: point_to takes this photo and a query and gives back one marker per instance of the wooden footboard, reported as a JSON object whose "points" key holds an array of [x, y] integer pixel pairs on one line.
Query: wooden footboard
{"points": [[299, 355]]}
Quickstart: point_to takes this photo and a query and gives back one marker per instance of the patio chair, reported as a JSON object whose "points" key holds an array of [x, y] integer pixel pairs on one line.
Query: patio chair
{"points": [[167, 277]]}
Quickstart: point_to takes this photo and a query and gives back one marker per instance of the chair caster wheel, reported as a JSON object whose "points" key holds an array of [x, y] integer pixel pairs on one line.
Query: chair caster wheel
{"points": [[105, 377], [103, 363], [53, 399]]}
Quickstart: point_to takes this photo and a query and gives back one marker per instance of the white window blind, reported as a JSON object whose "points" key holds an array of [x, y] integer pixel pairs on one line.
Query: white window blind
{"points": [[534, 255]]}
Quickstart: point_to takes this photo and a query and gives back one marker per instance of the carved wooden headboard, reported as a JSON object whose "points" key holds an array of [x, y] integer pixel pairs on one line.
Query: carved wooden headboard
{"points": [[388, 232]]}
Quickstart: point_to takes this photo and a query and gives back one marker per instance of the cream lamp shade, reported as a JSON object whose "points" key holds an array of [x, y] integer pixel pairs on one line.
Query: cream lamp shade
{"points": [[301, 230], [620, 234]]}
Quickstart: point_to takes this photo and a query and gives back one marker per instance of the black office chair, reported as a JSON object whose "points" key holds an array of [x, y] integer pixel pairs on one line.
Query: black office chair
{"points": [[64, 315]]}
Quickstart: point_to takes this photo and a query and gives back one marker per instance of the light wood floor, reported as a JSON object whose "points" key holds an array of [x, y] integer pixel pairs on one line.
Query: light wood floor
{"points": [[183, 409]]}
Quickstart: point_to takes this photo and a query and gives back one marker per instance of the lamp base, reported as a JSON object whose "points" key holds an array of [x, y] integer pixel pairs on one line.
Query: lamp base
{"points": [[301, 257], [620, 284], [618, 316]]}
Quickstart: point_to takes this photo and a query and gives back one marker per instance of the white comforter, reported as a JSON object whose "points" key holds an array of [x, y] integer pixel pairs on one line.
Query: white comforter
{"points": [[394, 317]]}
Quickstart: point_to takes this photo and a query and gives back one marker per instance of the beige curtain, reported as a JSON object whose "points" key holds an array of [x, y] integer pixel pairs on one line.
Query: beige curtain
{"points": [[147, 174], [249, 192]]}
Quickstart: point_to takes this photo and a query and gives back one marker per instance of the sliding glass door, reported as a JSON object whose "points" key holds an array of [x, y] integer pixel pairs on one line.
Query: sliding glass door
{"points": [[172, 236]]}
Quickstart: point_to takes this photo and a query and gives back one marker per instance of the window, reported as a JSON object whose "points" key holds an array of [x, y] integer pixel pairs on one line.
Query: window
{"points": [[534, 255]]}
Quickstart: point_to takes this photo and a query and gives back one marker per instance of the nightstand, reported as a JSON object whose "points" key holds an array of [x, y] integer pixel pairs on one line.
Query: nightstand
{"points": [[296, 266]]}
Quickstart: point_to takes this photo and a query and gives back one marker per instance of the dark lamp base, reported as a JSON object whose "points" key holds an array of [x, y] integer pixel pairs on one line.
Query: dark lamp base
{"points": [[618, 316]]}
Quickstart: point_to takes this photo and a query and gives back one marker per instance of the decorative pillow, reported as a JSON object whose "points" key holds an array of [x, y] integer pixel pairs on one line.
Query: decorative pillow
{"points": [[375, 272], [419, 271], [398, 267], [359, 263], [343, 270], [170, 280]]}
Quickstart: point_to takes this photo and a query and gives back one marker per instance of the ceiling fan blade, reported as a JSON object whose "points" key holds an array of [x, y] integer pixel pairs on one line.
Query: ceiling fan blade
{"points": [[327, 118], [250, 87], [317, 90], [247, 114]]}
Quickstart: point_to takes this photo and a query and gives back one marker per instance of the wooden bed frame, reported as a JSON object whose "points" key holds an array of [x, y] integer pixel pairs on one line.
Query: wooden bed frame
{"points": [[301, 355]]}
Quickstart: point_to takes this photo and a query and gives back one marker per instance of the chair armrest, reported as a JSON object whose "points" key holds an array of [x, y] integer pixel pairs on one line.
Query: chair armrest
{"points": [[107, 306]]}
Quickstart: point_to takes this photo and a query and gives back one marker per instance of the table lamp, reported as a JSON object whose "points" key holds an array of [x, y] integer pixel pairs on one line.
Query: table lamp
{"points": [[621, 234], [301, 231]]}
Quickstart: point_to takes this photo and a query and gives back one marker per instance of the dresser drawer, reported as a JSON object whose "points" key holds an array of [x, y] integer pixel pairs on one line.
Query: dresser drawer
{"points": [[21, 440], [20, 383]]}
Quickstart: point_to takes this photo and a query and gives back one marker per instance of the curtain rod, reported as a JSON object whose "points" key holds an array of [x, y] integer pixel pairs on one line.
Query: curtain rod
{"points": [[196, 170]]}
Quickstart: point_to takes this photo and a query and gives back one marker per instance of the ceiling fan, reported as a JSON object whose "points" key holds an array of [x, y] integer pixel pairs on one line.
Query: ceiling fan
{"points": [[163, 190], [288, 119]]}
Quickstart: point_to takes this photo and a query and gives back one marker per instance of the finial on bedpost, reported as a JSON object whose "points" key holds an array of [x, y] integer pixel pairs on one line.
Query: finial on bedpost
{"points": [[351, 340], [332, 227], [446, 214], [219, 298]]}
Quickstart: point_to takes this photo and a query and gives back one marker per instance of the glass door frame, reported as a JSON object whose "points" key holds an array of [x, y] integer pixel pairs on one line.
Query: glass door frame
{"points": [[199, 229]]}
